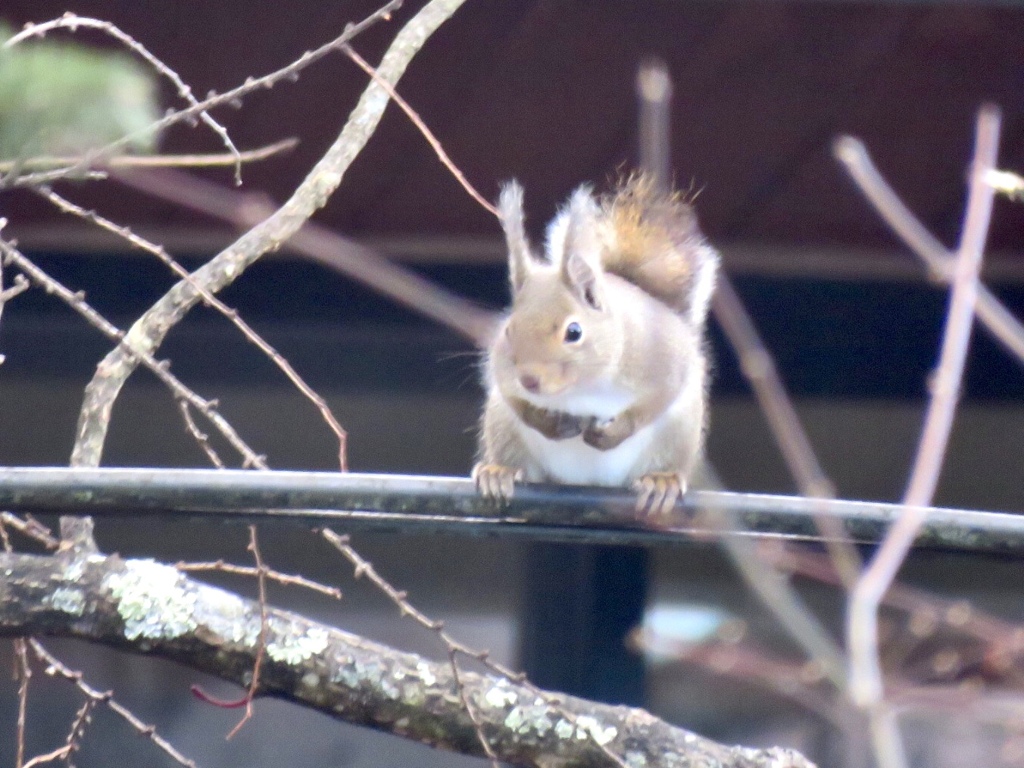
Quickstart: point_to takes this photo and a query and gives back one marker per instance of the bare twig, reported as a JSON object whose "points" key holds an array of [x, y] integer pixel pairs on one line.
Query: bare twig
{"points": [[940, 262], [654, 129], [777, 594], [435, 144], [150, 329], [200, 437], [162, 161], [29, 527], [214, 303], [72, 743], [60, 753], [261, 642], [56, 666], [233, 96], [770, 586], [759, 369], [862, 623], [291, 580], [478, 726], [24, 673], [19, 285], [77, 302]]}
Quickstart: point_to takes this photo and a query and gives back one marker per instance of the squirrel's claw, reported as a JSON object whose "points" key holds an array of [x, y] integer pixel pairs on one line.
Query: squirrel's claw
{"points": [[496, 482], [657, 493]]}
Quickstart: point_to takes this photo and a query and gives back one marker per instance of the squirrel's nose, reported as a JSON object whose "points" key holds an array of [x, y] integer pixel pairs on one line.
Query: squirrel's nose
{"points": [[530, 382]]}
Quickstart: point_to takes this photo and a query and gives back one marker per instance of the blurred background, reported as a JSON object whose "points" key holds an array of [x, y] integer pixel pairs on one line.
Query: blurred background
{"points": [[543, 91]]}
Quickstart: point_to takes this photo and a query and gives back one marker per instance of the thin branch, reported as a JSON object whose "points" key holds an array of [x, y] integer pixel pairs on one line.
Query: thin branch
{"points": [[160, 369], [149, 330], [56, 667], [996, 318], [775, 591], [862, 624], [478, 724], [30, 528], [213, 302], [60, 753], [24, 673], [799, 682], [654, 126], [758, 367], [200, 437], [163, 161], [261, 640], [289, 580], [234, 96], [20, 285], [435, 144], [82, 718]]}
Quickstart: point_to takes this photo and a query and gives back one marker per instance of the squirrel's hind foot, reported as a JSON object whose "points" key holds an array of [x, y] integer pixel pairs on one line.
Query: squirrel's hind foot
{"points": [[657, 494], [496, 482]]}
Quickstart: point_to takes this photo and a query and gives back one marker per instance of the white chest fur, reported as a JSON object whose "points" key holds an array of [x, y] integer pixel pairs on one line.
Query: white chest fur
{"points": [[573, 461]]}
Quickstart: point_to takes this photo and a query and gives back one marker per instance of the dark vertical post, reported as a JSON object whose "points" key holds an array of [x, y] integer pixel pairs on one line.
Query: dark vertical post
{"points": [[580, 603]]}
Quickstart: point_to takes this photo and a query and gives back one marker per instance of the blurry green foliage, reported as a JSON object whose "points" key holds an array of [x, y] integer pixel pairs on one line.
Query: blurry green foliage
{"points": [[63, 98]]}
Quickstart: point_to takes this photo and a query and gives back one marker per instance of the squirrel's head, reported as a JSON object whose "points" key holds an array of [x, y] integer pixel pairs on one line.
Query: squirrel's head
{"points": [[561, 332]]}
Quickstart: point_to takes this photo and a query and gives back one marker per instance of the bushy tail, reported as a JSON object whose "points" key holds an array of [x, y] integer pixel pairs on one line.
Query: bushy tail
{"points": [[657, 245]]}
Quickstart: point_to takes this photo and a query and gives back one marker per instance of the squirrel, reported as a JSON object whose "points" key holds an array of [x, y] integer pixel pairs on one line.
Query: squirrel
{"points": [[598, 372]]}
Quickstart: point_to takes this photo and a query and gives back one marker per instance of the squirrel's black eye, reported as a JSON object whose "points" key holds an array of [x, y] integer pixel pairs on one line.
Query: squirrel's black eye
{"points": [[573, 332]]}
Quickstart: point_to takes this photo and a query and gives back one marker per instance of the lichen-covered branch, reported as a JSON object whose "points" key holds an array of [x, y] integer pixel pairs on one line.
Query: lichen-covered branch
{"points": [[145, 607]]}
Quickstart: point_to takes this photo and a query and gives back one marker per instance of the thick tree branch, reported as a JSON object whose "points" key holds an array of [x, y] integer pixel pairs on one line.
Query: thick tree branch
{"points": [[145, 607]]}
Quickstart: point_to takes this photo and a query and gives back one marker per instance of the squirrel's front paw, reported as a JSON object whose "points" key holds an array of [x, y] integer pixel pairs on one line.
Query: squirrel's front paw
{"points": [[496, 482], [657, 493], [554, 425], [605, 434]]}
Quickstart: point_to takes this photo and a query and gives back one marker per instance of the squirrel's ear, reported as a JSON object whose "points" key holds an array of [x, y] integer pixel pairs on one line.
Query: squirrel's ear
{"points": [[520, 257], [580, 265]]}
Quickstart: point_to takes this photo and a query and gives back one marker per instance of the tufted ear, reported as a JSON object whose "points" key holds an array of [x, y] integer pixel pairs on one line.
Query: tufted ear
{"points": [[580, 266], [520, 257]]}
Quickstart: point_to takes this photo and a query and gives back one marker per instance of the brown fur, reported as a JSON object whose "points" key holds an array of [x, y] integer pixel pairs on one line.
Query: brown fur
{"points": [[652, 241]]}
